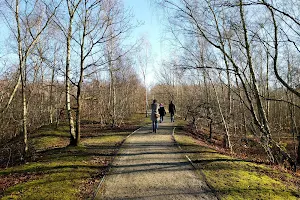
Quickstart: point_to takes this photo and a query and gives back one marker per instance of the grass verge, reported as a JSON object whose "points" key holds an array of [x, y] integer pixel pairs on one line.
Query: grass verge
{"points": [[58, 171], [238, 179]]}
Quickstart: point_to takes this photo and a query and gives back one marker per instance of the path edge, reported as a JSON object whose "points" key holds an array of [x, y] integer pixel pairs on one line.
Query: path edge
{"points": [[194, 166], [110, 164]]}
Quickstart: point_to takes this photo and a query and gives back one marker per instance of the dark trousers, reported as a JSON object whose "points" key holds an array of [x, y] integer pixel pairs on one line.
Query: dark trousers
{"points": [[161, 118], [154, 126], [172, 116]]}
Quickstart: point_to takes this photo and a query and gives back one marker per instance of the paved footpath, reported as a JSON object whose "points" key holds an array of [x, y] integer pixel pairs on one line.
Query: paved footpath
{"points": [[150, 166]]}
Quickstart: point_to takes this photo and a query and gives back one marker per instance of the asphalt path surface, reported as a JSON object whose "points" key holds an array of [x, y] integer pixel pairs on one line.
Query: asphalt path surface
{"points": [[151, 166]]}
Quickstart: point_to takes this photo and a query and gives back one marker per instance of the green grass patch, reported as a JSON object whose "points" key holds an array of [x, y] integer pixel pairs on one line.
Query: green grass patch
{"points": [[61, 184], [180, 122], [49, 136], [60, 171], [138, 119], [104, 139], [57, 177], [47, 142], [238, 179]]}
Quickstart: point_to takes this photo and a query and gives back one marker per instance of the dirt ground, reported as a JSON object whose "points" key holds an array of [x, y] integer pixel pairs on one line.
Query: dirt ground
{"points": [[150, 166]]}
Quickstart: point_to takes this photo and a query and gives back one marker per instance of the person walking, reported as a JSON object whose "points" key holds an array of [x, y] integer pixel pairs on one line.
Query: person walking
{"points": [[154, 115], [172, 110], [162, 112]]}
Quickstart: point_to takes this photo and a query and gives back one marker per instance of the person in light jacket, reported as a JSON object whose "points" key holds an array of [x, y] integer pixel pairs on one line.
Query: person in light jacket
{"points": [[154, 115]]}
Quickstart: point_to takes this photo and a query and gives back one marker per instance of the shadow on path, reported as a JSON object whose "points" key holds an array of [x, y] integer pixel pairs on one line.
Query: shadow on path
{"points": [[150, 166]]}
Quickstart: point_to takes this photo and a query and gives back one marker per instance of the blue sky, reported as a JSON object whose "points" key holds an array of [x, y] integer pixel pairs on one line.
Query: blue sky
{"points": [[145, 11]]}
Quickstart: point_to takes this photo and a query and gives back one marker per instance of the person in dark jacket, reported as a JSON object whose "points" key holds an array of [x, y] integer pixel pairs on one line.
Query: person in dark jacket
{"points": [[172, 111], [162, 112]]}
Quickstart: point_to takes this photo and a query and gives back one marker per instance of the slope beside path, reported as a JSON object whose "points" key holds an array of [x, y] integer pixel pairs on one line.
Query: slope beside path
{"points": [[150, 166]]}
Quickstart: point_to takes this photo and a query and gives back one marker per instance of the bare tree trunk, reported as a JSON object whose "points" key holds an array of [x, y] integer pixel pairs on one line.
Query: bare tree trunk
{"points": [[293, 125], [78, 113], [227, 134], [268, 90], [298, 153], [23, 51], [26, 39], [68, 99], [243, 127], [79, 86], [57, 117], [25, 134], [12, 95], [112, 87], [275, 57], [51, 96], [146, 95], [72, 8], [146, 101], [112, 94], [113, 100], [229, 99], [265, 129], [22, 71], [210, 129]]}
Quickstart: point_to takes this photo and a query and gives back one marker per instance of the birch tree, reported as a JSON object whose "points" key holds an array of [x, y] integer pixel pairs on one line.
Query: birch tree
{"points": [[97, 31], [30, 20], [144, 59], [229, 35]]}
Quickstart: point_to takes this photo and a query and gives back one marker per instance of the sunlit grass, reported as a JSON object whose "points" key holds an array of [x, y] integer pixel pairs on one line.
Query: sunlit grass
{"points": [[237, 179], [180, 122], [56, 177], [61, 171], [61, 184], [50, 136], [139, 119], [105, 139]]}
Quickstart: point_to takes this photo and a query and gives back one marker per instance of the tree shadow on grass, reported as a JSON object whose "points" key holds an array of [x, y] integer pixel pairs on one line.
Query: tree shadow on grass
{"points": [[257, 193], [76, 153], [66, 161], [255, 189], [44, 169], [83, 135], [87, 161], [219, 162], [39, 136], [46, 187]]}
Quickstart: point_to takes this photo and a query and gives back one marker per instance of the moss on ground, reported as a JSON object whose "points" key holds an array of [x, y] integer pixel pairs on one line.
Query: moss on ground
{"points": [[105, 139], [56, 185], [238, 179], [139, 119], [50, 136], [59, 171]]}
